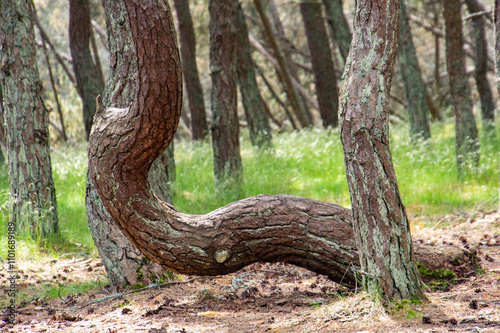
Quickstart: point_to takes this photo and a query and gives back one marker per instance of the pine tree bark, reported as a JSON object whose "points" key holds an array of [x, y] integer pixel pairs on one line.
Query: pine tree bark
{"points": [[381, 225], [467, 144], [2, 129], [225, 125], [87, 77], [481, 64], [258, 124], [321, 59], [194, 90], [124, 263], [418, 109], [33, 196], [338, 25], [497, 42], [125, 142]]}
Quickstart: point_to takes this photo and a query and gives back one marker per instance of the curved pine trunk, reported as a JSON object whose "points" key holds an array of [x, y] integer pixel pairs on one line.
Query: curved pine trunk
{"points": [[125, 142]]}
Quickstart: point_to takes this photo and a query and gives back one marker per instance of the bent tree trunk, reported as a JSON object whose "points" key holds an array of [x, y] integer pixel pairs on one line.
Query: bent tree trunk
{"points": [[124, 263], [125, 142]]}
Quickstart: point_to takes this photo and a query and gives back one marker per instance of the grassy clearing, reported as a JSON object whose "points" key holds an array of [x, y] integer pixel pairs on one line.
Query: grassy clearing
{"points": [[308, 163]]}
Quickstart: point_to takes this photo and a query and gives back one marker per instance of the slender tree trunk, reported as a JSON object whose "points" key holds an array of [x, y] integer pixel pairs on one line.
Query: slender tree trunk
{"points": [[194, 90], [467, 144], [162, 174], [321, 59], [225, 125], [481, 63], [339, 26], [381, 225], [291, 90], [304, 232], [86, 72], [258, 124], [412, 78], [3, 142], [124, 263], [287, 48], [497, 41], [33, 196]]}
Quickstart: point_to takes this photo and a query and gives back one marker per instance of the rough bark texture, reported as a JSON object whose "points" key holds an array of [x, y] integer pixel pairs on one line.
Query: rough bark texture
{"points": [[33, 197], [3, 142], [258, 124], [162, 174], [194, 90], [497, 42], [284, 70], [225, 125], [467, 144], [339, 26], [124, 143], [124, 263], [86, 72], [381, 225], [481, 63], [412, 79], [321, 59]]}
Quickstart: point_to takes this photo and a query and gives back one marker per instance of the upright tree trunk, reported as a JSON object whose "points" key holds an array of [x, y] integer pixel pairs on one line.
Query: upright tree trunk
{"points": [[497, 42], [2, 129], [258, 124], [225, 125], [412, 78], [481, 63], [286, 47], [162, 174], [321, 59], [291, 90], [194, 90], [381, 225], [467, 144], [86, 72], [339, 26], [124, 263], [33, 196], [125, 142]]}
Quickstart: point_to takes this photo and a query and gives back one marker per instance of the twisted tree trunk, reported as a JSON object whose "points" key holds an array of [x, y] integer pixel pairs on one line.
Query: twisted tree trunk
{"points": [[125, 142]]}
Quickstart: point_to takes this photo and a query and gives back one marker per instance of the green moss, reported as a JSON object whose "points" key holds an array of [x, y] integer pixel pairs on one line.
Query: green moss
{"points": [[436, 274], [138, 286]]}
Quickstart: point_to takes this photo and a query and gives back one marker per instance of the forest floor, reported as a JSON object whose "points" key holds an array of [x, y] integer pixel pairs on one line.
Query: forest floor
{"points": [[266, 298]]}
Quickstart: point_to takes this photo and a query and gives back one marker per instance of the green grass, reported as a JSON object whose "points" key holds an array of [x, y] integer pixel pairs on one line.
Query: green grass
{"points": [[308, 163]]}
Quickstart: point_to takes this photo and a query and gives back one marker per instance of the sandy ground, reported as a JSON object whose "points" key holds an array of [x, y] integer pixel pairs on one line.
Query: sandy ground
{"points": [[262, 298]]}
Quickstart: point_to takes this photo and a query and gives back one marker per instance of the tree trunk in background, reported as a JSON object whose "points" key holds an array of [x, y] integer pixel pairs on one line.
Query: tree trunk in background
{"points": [[339, 26], [286, 47], [86, 72], [467, 144], [33, 196], [381, 225], [225, 125], [497, 42], [194, 90], [3, 141], [321, 59], [162, 174], [291, 91], [258, 124], [481, 64], [412, 78], [124, 263]]}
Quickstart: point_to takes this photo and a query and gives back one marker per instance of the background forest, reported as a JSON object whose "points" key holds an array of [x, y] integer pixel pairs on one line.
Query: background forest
{"points": [[301, 161], [293, 147]]}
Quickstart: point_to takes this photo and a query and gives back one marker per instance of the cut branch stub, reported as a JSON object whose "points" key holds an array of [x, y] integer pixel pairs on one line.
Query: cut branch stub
{"points": [[125, 142]]}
